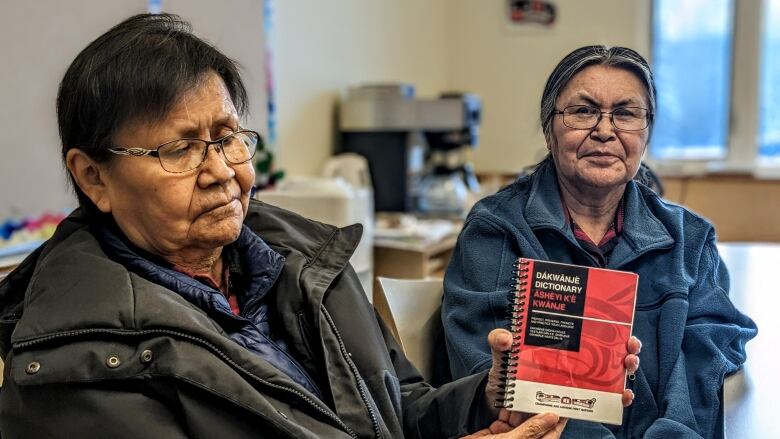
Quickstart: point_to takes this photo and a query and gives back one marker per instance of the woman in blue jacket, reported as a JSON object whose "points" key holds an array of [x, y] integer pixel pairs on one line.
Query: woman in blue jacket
{"points": [[582, 206]]}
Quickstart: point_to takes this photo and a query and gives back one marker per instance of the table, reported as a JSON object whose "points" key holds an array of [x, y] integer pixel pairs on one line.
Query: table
{"points": [[751, 394], [413, 261], [413, 246]]}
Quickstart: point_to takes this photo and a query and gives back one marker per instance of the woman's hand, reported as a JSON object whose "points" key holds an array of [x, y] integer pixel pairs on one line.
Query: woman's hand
{"points": [[632, 365], [544, 425], [500, 340]]}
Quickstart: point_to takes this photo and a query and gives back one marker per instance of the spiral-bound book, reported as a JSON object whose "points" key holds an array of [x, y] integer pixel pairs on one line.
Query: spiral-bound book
{"points": [[570, 326]]}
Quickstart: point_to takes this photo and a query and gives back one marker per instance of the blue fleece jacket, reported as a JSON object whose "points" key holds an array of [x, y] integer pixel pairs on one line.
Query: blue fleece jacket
{"points": [[692, 335]]}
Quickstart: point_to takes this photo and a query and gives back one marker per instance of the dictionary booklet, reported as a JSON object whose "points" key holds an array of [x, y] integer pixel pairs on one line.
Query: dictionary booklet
{"points": [[570, 326]]}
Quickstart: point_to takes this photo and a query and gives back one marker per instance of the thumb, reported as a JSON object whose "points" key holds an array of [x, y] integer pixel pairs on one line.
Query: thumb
{"points": [[500, 341]]}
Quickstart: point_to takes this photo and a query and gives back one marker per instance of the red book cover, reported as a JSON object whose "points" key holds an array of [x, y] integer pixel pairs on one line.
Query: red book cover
{"points": [[570, 325]]}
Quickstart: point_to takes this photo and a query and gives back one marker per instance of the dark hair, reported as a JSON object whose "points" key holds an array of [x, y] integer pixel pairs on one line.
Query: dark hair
{"points": [[578, 60], [135, 72]]}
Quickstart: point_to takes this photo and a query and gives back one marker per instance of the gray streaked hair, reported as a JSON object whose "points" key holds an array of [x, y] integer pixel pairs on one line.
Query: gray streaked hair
{"points": [[579, 59]]}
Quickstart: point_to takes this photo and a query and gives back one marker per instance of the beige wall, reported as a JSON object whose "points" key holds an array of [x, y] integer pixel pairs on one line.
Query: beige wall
{"points": [[321, 48], [246, 45], [38, 41]]}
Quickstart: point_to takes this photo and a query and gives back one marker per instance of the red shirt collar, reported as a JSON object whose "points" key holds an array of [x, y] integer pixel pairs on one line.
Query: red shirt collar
{"points": [[612, 233]]}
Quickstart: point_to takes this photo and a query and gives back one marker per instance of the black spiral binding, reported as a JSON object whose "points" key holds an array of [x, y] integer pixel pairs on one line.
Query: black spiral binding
{"points": [[515, 309]]}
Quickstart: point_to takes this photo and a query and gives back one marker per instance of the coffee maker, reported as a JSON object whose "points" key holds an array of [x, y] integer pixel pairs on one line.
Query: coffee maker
{"points": [[412, 145]]}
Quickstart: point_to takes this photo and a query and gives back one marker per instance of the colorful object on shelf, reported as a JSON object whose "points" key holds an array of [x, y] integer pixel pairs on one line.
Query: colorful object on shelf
{"points": [[266, 176], [23, 235]]}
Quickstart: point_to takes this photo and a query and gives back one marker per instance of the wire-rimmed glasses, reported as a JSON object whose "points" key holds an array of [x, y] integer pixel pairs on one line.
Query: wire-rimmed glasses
{"points": [[184, 155], [585, 117]]}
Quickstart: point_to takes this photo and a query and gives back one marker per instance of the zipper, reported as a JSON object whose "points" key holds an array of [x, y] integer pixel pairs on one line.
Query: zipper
{"points": [[199, 341], [353, 368]]}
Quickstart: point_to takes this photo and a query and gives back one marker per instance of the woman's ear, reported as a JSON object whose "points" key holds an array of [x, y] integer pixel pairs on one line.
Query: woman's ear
{"points": [[90, 176]]}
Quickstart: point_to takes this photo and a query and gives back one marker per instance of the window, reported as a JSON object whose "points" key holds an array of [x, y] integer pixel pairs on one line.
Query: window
{"points": [[769, 132], [693, 108], [717, 69]]}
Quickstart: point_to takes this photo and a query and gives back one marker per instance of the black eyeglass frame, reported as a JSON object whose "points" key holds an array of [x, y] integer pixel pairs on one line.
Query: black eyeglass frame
{"points": [[648, 117], [155, 152]]}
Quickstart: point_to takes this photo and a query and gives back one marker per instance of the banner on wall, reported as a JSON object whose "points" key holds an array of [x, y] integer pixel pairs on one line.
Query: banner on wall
{"points": [[523, 12]]}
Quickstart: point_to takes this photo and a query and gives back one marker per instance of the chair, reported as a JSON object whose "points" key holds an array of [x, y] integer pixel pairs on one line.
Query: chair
{"points": [[411, 310]]}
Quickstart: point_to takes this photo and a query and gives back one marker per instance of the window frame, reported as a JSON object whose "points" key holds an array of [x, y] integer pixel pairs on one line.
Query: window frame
{"points": [[743, 118]]}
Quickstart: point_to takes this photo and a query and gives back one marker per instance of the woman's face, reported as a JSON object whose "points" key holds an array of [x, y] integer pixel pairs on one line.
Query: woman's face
{"points": [[167, 213], [602, 157]]}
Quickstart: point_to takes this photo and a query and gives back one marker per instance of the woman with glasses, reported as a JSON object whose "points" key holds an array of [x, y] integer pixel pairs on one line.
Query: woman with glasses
{"points": [[582, 206], [171, 305]]}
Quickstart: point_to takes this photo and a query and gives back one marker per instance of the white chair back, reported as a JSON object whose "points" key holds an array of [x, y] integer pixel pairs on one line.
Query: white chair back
{"points": [[414, 313]]}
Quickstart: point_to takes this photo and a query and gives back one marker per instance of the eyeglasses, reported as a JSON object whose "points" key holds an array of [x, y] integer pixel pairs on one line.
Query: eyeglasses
{"points": [[184, 155], [585, 117]]}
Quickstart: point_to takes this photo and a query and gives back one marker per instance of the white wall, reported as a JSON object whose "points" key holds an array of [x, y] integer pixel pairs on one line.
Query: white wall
{"points": [[321, 48], [39, 39]]}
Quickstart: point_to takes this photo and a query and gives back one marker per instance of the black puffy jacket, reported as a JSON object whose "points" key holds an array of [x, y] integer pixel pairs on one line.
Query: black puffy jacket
{"points": [[93, 350]]}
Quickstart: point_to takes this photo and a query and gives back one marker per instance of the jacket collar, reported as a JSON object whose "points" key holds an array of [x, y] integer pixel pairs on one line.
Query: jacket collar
{"points": [[321, 251], [260, 266], [72, 285], [544, 208], [642, 230]]}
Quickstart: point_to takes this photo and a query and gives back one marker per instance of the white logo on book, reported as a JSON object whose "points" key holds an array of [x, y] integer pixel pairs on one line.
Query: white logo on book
{"points": [[565, 400]]}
